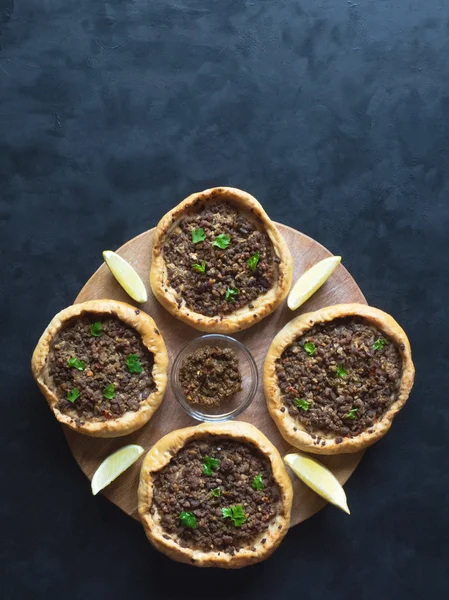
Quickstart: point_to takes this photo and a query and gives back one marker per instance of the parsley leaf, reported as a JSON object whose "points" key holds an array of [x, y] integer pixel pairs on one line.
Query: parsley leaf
{"points": [[257, 483], [198, 235], [76, 363], [235, 513], [302, 403], [216, 492], [96, 329], [222, 241], [379, 344], [73, 395], [199, 268], [310, 348], [210, 464], [226, 512], [254, 261], [188, 519], [341, 371], [109, 391], [231, 293], [351, 413], [133, 363]]}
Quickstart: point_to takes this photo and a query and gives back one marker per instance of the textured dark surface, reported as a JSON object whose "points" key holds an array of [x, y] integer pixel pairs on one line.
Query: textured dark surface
{"points": [[335, 115]]}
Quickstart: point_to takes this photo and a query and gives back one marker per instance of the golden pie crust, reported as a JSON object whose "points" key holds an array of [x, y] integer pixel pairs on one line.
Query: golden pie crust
{"points": [[161, 454], [291, 429], [245, 316], [152, 340]]}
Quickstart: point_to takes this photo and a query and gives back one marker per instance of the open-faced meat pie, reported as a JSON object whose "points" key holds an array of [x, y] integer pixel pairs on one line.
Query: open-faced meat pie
{"points": [[102, 365], [334, 379], [215, 495], [219, 262]]}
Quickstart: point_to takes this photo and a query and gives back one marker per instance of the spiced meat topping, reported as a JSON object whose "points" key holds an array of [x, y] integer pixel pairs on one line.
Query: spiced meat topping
{"points": [[102, 365], [183, 487], [340, 377], [219, 279], [210, 375]]}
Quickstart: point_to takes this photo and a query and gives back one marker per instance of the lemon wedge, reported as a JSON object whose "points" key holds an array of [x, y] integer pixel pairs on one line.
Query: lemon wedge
{"points": [[126, 276], [318, 478], [311, 281], [114, 465]]}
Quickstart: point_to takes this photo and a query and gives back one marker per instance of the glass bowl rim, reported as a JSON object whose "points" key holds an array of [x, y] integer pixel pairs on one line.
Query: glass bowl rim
{"points": [[179, 395]]}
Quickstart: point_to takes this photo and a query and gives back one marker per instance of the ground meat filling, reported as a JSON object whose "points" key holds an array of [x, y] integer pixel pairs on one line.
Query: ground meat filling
{"points": [[222, 280], [340, 377], [104, 381], [183, 488], [210, 375]]}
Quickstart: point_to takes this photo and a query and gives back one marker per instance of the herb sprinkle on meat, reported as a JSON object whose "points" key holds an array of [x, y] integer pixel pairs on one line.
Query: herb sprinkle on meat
{"points": [[219, 260], [337, 378], [207, 480], [112, 370]]}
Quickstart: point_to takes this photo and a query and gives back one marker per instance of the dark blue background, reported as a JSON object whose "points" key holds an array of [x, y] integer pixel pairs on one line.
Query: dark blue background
{"points": [[335, 115]]}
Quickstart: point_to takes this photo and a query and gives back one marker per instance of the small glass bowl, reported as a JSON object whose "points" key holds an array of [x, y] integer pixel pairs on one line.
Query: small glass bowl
{"points": [[229, 409]]}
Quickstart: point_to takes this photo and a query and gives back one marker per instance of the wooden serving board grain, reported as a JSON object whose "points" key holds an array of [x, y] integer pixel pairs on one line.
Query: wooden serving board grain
{"points": [[90, 452]]}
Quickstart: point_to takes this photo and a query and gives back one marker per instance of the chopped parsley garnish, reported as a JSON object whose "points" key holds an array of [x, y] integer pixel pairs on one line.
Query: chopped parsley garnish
{"points": [[254, 261], [133, 363], [235, 513], [302, 403], [187, 519], [379, 344], [198, 235], [216, 492], [109, 391], [73, 395], [310, 348], [222, 241], [351, 413], [96, 329], [341, 371], [257, 483], [210, 464], [231, 294], [76, 363], [200, 268]]}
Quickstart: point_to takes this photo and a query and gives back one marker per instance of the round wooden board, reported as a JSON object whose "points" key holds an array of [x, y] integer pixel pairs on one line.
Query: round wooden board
{"points": [[90, 452]]}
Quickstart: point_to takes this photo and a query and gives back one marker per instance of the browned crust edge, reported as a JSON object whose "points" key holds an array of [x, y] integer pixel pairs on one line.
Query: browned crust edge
{"points": [[151, 338], [161, 454], [291, 429], [244, 317]]}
